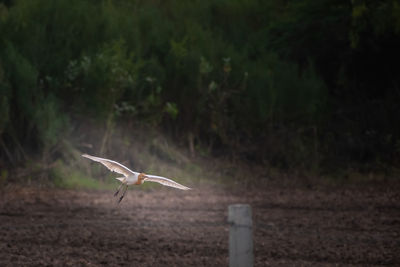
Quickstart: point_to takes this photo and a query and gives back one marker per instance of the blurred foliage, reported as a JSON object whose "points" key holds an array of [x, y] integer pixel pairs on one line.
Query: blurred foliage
{"points": [[101, 79], [298, 83], [62, 176]]}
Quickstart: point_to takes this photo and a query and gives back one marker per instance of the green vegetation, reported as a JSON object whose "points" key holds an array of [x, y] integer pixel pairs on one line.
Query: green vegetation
{"points": [[63, 177], [299, 84]]}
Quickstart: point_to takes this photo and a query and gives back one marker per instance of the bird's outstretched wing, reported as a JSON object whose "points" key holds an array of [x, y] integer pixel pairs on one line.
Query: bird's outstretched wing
{"points": [[111, 165], [165, 181]]}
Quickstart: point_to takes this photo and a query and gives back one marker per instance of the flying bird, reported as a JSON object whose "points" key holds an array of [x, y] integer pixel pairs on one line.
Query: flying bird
{"points": [[133, 178]]}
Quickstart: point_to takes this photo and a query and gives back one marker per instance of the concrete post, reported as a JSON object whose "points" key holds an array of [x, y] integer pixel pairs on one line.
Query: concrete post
{"points": [[240, 236]]}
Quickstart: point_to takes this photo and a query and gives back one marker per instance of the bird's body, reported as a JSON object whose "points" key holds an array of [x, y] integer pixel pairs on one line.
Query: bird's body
{"points": [[130, 180], [133, 178]]}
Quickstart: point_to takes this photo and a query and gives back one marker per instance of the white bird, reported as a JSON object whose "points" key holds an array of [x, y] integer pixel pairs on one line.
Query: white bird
{"points": [[133, 178]]}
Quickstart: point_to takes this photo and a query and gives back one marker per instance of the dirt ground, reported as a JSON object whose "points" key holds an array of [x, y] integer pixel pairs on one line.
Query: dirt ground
{"points": [[168, 227]]}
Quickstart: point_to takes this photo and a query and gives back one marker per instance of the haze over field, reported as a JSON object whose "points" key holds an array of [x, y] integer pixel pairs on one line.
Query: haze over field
{"points": [[290, 106]]}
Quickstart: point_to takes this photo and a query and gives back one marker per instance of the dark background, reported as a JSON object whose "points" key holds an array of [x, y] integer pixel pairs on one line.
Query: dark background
{"points": [[310, 85]]}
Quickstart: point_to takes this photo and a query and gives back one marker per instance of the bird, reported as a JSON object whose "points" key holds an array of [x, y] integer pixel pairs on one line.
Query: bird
{"points": [[133, 178]]}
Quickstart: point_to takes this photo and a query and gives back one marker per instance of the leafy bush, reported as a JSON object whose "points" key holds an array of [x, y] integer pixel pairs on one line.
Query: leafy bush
{"points": [[276, 80], [100, 80]]}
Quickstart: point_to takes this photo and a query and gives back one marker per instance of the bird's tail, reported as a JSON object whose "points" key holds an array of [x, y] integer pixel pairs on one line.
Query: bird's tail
{"points": [[121, 179]]}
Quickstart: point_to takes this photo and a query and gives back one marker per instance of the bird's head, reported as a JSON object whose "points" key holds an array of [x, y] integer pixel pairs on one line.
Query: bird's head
{"points": [[141, 178]]}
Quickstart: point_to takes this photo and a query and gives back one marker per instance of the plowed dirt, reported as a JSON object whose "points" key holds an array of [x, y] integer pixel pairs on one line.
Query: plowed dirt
{"points": [[168, 227]]}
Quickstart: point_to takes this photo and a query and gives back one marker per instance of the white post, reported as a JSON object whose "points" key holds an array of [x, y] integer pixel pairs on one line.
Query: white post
{"points": [[240, 236]]}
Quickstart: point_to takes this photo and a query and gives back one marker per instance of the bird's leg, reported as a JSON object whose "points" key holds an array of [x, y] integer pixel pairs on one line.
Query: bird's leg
{"points": [[123, 194], [119, 188]]}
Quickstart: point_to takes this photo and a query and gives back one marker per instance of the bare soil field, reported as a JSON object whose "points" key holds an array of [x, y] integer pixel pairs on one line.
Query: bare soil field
{"points": [[165, 227]]}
